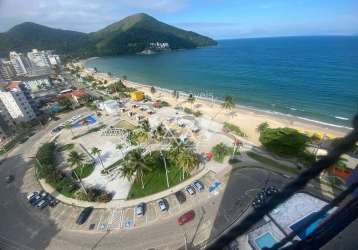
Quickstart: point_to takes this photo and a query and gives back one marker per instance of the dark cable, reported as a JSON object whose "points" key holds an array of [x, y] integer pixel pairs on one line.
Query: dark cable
{"points": [[344, 145]]}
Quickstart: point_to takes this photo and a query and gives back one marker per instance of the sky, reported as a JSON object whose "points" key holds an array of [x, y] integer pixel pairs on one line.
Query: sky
{"points": [[220, 19]]}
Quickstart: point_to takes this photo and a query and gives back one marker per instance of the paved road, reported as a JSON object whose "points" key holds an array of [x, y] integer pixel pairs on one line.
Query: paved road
{"points": [[25, 227]]}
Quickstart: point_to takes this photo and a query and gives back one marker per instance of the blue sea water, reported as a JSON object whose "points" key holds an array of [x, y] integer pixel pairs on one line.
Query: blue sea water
{"points": [[311, 77]]}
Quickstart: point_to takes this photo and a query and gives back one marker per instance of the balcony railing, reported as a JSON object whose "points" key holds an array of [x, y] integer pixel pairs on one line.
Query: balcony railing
{"points": [[329, 228]]}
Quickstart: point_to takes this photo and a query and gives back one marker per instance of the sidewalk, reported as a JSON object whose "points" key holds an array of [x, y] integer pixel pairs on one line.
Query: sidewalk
{"points": [[128, 203]]}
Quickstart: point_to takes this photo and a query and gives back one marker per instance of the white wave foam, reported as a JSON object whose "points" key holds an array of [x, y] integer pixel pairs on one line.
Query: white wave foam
{"points": [[341, 118]]}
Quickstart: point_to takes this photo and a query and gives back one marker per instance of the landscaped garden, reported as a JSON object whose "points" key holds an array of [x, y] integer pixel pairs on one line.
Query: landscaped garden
{"points": [[68, 185], [155, 179]]}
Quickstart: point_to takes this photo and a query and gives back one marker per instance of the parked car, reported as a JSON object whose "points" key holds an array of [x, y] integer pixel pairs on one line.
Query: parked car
{"points": [[163, 206], [271, 190], [42, 204], [188, 216], [52, 202], [180, 197], [140, 209], [31, 195], [84, 215], [198, 185], [36, 199], [214, 186], [9, 179], [43, 194], [190, 190]]}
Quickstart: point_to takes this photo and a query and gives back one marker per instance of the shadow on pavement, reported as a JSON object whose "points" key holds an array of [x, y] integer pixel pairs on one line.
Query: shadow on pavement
{"points": [[22, 226]]}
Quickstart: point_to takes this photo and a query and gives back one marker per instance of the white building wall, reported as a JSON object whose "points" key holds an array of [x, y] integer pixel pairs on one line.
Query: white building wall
{"points": [[17, 105], [18, 63]]}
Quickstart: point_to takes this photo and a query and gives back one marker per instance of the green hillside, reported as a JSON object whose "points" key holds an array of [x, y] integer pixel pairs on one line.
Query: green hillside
{"points": [[130, 35]]}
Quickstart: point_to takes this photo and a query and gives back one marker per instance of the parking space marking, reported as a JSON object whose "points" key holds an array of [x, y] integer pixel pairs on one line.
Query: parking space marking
{"points": [[111, 217], [128, 218], [62, 216], [69, 221], [93, 219], [134, 216], [117, 219], [151, 212], [100, 220], [56, 211]]}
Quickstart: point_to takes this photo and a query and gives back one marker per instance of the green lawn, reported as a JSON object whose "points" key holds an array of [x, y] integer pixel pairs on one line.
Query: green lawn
{"points": [[86, 171], [66, 147], [272, 163], [155, 181], [125, 125]]}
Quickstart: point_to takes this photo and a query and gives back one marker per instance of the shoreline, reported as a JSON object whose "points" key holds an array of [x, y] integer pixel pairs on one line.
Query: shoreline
{"points": [[252, 109], [246, 117]]}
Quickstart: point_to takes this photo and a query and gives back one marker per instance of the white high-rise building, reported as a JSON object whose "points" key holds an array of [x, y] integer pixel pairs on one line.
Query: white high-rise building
{"points": [[20, 63], [54, 59], [17, 105], [38, 58]]}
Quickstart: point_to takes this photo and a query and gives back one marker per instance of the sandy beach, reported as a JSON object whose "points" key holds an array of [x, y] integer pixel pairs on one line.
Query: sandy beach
{"points": [[245, 117]]}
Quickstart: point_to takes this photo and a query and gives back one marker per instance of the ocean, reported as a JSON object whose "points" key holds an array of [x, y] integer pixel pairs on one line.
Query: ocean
{"points": [[315, 78]]}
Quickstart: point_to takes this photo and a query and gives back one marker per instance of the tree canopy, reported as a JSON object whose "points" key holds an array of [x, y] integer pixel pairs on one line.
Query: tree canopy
{"points": [[284, 141]]}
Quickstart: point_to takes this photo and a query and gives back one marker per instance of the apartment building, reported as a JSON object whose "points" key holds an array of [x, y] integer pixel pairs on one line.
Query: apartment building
{"points": [[7, 71], [20, 63], [17, 105]]}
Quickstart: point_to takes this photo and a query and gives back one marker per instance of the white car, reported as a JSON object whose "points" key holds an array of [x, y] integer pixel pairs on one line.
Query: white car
{"points": [[140, 209], [162, 205], [30, 195], [198, 185]]}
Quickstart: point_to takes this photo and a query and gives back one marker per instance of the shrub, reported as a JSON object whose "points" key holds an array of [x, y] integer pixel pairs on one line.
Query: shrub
{"points": [[192, 112], [94, 195], [66, 186], [262, 127], [284, 141]]}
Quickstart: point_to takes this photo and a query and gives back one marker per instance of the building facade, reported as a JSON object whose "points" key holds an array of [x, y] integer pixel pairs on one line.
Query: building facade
{"points": [[20, 63], [7, 124], [7, 71], [17, 105]]}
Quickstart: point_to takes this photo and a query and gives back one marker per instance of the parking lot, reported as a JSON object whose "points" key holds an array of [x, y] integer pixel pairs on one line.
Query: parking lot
{"points": [[125, 218]]}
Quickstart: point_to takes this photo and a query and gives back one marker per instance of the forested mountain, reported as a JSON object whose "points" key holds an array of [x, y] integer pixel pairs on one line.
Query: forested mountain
{"points": [[130, 35]]}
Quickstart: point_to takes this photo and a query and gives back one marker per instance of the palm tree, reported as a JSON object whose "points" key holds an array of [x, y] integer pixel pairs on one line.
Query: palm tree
{"points": [[126, 171], [228, 102], [76, 159], [262, 126], [191, 100], [187, 160], [68, 126], [97, 152], [182, 157], [134, 164]]}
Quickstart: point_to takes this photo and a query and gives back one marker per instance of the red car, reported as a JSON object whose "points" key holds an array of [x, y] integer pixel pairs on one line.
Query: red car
{"points": [[188, 216]]}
